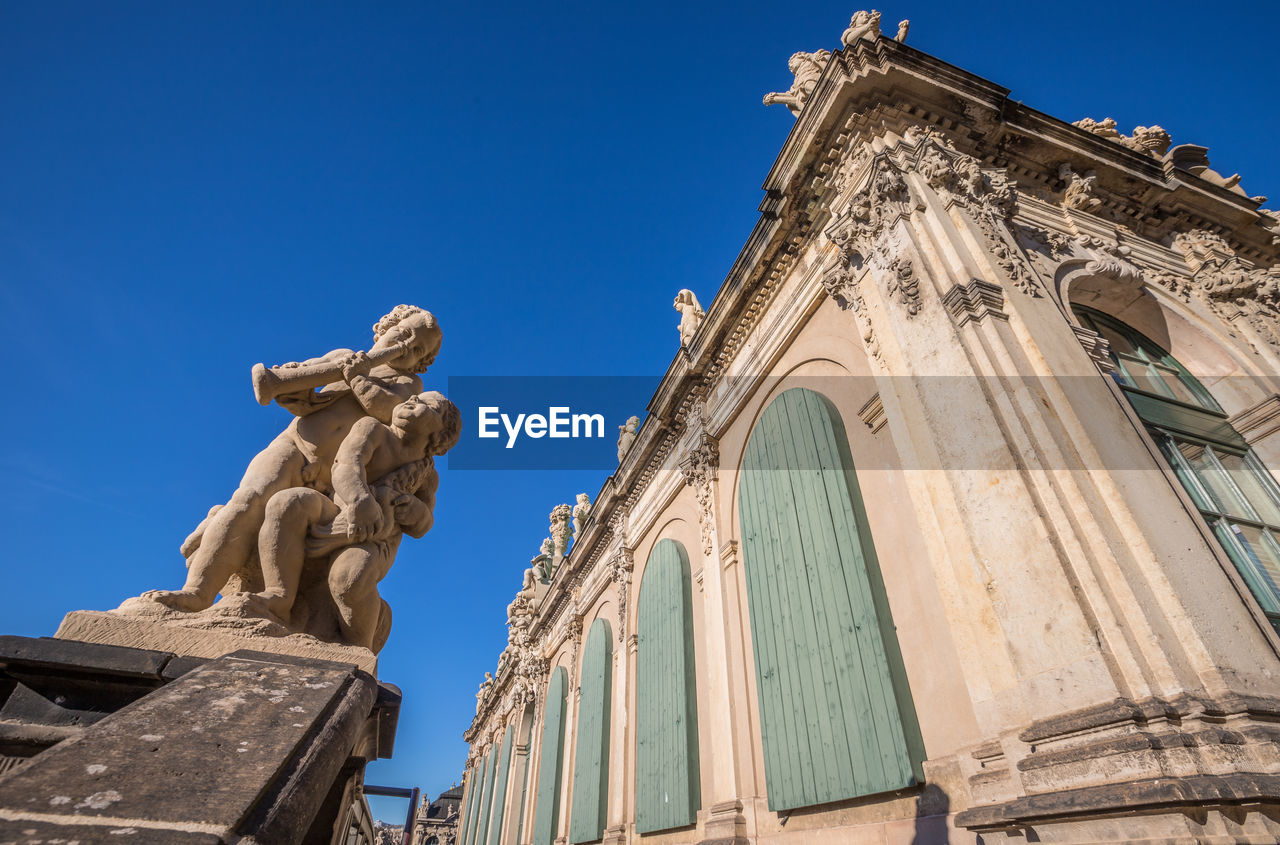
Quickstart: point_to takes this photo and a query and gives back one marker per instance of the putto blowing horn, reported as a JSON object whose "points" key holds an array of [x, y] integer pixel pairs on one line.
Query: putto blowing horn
{"points": [[270, 382]]}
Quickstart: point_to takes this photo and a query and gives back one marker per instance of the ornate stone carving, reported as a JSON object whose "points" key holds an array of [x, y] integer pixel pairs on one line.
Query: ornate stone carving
{"points": [[862, 25], [483, 692], [1152, 140], [580, 512], [903, 283], [691, 315], [620, 569], [1078, 190], [319, 514], [627, 436], [841, 284], [1111, 260], [699, 470], [807, 68], [1238, 292], [561, 533], [903, 28]]}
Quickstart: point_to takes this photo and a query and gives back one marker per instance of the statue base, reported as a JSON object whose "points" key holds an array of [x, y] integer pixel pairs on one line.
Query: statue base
{"points": [[203, 635]]}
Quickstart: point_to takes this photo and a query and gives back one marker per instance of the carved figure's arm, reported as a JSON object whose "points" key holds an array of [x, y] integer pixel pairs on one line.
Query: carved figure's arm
{"points": [[350, 478], [379, 396], [419, 517]]}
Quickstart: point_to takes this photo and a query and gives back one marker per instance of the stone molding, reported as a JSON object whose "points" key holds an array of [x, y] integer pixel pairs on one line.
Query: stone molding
{"points": [[1259, 422], [872, 413], [974, 301]]}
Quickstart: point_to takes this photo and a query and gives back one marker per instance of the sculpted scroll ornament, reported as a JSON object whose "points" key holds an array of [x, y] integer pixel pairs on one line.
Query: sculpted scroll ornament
{"points": [[1111, 260], [699, 471]]}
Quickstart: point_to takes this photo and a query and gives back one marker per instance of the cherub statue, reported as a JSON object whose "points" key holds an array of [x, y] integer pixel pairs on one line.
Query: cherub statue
{"points": [[580, 511], [862, 25], [807, 68], [302, 455], [561, 533], [627, 436], [385, 486], [903, 26], [691, 315], [541, 563]]}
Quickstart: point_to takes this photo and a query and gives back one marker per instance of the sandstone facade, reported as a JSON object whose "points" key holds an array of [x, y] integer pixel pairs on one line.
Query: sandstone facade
{"points": [[1050, 351]]}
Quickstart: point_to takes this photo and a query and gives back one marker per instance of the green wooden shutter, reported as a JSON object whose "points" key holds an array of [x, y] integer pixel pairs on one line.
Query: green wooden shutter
{"points": [[486, 803], [668, 792], [475, 798], [525, 772], [500, 789], [835, 712], [548, 807], [591, 760]]}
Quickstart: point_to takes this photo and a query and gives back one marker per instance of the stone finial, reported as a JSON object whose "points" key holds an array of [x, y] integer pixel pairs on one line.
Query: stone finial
{"points": [[863, 25], [627, 436], [691, 315], [903, 26], [807, 68], [580, 512]]}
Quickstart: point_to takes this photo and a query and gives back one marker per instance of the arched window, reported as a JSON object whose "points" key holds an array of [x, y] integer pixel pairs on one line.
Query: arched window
{"points": [[500, 789], [668, 793], [591, 760], [547, 817], [836, 719], [1236, 495]]}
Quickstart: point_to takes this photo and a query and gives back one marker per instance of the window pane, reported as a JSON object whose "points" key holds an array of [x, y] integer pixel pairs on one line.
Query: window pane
{"points": [[1225, 497], [1253, 487], [1173, 454], [1264, 555], [1173, 380]]}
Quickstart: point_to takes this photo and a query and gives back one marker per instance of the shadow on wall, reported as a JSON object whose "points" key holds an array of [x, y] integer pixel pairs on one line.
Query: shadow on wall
{"points": [[932, 809]]}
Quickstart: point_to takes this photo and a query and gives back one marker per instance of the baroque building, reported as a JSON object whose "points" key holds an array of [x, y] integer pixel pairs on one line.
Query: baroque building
{"points": [[953, 518]]}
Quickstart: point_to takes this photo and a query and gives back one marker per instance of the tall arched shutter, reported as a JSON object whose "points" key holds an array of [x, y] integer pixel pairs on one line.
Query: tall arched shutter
{"points": [[476, 790], [548, 809], [591, 759], [486, 803], [500, 789], [835, 713], [668, 793]]}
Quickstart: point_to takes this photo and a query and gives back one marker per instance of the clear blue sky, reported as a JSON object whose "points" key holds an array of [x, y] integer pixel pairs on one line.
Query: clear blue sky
{"points": [[189, 188]]}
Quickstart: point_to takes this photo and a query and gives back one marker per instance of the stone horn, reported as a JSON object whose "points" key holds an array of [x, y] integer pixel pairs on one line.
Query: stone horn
{"points": [[270, 382]]}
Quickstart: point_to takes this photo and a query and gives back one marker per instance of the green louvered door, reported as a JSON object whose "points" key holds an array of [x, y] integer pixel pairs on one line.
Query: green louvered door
{"points": [[668, 793], [591, 758], [474, 799], [486, 803], [835, 713], [548, 807], [500, 789]]}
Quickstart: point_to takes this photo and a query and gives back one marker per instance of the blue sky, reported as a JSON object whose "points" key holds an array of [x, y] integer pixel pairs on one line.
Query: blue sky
{"points": [[190, 188]]}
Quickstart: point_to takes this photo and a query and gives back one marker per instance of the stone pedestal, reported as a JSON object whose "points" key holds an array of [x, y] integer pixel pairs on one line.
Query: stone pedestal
{"points": [[246, 747], [92, 626]]}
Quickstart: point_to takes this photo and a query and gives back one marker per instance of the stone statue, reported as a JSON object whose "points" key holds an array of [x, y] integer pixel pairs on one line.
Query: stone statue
{"points": [[807, 68], [302, 455], [691, 315], [862, 25], [483, 691], [318, 517], [1078, 192], [1152, 140], [351, 539], [580, 512], [561, 533], [627, 436], [1105, 128], [903, 26], [541, 563]]}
